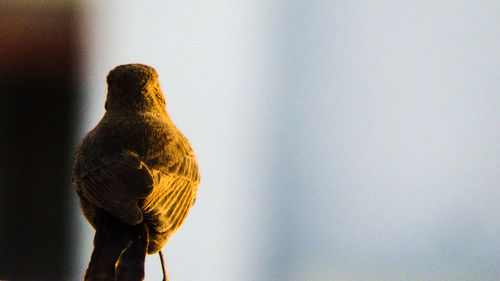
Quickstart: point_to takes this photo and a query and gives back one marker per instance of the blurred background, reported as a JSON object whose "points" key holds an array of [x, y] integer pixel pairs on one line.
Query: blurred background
{"points": [[337, 140]]}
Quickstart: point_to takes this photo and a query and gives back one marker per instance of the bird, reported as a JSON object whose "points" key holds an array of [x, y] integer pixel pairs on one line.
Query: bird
{"points": [[135, 175]]}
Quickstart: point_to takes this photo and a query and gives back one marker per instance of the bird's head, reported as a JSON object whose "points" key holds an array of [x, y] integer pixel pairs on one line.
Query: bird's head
{"points": [[134, 87]]}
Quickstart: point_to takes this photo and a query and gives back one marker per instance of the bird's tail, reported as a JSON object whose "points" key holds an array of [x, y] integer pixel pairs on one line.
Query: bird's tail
{"points": [[119, 250]]}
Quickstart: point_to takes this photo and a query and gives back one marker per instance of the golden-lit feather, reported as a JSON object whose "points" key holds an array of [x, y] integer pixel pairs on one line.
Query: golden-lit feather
{"points": [[135, 164]]}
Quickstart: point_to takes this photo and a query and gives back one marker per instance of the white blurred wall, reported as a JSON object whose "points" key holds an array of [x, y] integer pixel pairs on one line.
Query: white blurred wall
{"points": [[337, 140]]}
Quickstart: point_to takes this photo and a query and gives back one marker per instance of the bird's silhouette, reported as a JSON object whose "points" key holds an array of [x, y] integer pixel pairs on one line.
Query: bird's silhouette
{"points": [[135, 174]]}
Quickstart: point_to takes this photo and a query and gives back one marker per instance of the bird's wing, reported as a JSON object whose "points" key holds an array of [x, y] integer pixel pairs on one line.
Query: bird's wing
{"points": [[176, 185], [117, 186]]}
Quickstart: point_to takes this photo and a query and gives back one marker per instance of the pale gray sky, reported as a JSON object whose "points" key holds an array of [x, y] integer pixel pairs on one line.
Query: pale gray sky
{"points": [[337, 140]]}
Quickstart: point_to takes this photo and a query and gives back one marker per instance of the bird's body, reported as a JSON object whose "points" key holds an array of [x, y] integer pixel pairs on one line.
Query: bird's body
{"points": [[135, 174]]}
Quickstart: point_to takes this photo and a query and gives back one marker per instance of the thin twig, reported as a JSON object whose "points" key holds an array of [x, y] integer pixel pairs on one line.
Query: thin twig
{"points": [[163, 266]]}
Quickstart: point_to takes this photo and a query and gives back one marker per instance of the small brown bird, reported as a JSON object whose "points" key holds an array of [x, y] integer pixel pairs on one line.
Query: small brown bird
{"points": [[135, 174]]}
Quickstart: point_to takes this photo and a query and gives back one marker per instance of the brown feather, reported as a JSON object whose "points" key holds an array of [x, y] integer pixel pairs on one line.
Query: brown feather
{"points": [[135, 164]]}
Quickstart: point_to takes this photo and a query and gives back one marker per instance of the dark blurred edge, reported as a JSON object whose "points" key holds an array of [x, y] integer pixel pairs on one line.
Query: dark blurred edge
{"points": [[38, 66]]}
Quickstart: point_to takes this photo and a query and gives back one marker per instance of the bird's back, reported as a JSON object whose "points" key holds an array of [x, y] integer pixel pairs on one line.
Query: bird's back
{"points": [[158, 145], [135, 174]]}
